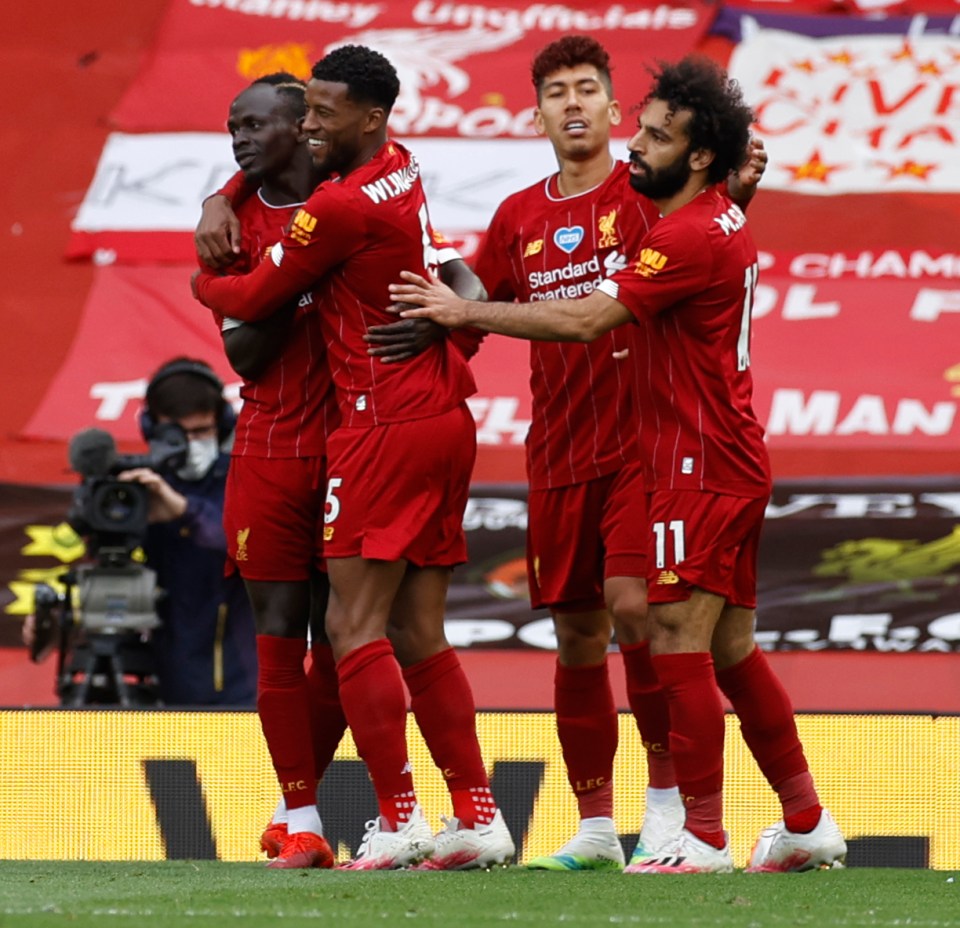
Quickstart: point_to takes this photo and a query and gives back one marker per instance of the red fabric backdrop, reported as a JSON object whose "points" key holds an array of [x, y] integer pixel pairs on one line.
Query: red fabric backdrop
{"points": [[854, 358]]}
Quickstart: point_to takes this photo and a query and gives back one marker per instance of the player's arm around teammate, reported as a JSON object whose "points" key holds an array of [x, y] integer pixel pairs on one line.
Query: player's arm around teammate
{"points": [[691, 286]]}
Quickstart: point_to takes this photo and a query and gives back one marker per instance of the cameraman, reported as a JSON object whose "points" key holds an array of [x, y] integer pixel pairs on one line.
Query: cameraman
{"points": [[205, 646], [204, 650]]}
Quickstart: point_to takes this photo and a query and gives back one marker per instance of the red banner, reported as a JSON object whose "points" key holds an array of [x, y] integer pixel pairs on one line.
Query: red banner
{"points": [[857, 310], [464, 67], [851, 351], [136, 319], [858, 350]]}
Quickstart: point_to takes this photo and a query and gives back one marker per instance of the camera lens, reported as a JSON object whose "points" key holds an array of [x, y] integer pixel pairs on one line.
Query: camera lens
{"points": [[118, 507]]}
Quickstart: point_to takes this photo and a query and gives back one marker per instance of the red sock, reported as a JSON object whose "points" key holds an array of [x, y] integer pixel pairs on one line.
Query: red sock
{"points": [[700, 819], [696, 738], [587, 728], [283, 707], [443, 706], [374, 702], [648, 703], [770, 731], [327, 721], [473, 806]]}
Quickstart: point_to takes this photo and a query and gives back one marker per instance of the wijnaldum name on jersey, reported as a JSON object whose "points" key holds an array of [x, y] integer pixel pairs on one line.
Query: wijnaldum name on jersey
{"points": [[393, 184]]}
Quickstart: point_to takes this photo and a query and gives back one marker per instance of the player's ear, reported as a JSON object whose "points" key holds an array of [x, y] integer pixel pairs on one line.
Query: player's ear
{"points": [[376, 117], [538, 122], [701, 159], [615, 114]]}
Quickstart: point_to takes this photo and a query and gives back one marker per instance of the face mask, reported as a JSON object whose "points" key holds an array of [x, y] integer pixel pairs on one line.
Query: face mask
{"points": [[202, 453]]}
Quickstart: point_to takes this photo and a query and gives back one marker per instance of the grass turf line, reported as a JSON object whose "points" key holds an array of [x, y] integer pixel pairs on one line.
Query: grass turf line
{"points": [[209, 894]]}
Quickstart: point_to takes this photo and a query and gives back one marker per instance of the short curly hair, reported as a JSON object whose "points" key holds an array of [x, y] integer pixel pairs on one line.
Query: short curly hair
{"points": [[568, 52], [369, 76], [721, 120]]}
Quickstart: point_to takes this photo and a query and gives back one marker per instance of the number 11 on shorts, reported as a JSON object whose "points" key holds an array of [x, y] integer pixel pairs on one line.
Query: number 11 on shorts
{"points": [[673, 529]]}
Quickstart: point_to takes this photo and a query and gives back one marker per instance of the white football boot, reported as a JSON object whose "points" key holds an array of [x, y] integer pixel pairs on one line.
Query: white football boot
{"points": [[480, 847], [781, 851], [393, 850], [662, 823], [592, 848], [686, 854]]}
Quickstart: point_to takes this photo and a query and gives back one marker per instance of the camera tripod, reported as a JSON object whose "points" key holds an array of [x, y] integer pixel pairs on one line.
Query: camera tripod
{"points": [[105, 658], [110, 669]]}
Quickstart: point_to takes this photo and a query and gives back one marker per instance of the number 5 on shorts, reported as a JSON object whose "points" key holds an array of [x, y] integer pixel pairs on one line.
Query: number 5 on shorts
{"points": [[332, 509]]}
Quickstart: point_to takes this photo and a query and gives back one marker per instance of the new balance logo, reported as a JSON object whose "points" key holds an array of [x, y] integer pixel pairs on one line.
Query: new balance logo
{"points": [[667, 578], [533, 248]]}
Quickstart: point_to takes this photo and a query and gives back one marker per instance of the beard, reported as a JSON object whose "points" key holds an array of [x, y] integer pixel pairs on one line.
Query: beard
{"points": [[664, 182]]}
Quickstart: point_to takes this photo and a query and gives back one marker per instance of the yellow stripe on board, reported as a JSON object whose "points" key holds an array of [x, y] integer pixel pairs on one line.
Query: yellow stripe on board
{"points": [[881, 775]]}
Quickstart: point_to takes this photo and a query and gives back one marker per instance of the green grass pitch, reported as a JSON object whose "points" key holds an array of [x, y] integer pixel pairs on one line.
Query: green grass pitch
{"points": [[208, 894]]}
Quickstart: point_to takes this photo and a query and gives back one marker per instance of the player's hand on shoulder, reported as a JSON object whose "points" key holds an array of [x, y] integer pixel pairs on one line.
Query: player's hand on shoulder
{"points": [[217, 236]]}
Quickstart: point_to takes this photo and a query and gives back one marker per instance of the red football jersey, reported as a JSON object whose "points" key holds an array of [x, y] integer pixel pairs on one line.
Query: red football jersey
{"points": [[539, 246], [691, 284], [288, 411], [344, 248]]}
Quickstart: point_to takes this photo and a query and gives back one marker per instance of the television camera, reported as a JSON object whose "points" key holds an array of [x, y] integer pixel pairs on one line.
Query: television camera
{"points": [[101, 623]]}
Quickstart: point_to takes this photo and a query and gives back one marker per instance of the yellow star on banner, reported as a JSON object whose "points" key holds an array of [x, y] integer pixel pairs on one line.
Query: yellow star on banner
{"points": [[841, 58], [815, 168], [905, 53], [59, 541], [910, 169], [929, 69], [805, 65]]}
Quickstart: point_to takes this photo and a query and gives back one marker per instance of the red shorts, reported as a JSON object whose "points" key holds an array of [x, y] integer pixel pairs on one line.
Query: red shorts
{"points": [[582, 534], [398, 492], [704, 540], [273, 517]]}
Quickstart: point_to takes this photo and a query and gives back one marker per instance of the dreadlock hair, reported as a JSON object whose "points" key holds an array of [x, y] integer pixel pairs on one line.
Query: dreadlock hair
{"points": [[568, 52], [720, 119], [291, 88], [369, 76]]}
